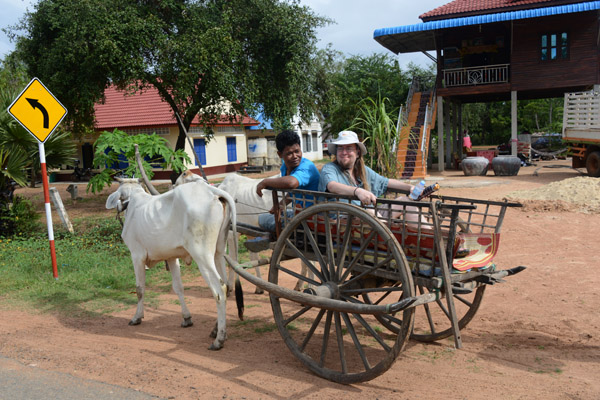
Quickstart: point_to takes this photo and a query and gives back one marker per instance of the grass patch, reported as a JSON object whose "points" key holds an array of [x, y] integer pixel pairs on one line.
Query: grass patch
{"points": [[256, 325], [95, 272]]}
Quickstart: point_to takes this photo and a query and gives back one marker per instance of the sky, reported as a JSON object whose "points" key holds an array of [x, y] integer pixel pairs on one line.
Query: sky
{"points": [[352, 32]]}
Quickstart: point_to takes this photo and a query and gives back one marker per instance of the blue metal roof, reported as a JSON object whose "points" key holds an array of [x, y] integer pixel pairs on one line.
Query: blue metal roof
{"points": [[264, 123], [396, 38]]}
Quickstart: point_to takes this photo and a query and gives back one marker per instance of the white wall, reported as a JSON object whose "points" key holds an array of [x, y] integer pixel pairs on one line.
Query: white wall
{"points": [[310, 132]]}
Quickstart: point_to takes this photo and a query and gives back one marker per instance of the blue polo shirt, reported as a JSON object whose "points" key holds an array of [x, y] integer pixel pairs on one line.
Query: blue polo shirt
{"points": [[307, 175]]}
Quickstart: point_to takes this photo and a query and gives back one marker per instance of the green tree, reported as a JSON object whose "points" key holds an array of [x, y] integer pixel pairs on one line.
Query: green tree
{"points": [[208, 58], [541, 115], [13, 73], [115, 147], [353, 79], [490, 123], [362, 77]]}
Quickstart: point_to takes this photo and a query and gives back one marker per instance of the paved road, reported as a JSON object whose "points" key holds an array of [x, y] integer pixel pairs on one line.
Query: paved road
{"points": [[21, 382]]}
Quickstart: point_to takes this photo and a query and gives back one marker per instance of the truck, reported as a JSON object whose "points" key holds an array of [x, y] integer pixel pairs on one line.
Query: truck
{"points": [[581, 129]]}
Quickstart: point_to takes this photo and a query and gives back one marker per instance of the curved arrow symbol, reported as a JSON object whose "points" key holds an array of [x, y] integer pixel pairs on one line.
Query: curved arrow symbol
{"points": [[36, 104]]}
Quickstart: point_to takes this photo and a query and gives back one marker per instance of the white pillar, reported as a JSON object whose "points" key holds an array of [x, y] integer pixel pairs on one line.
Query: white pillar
{"points": [[448, 133], [513, 122], [440, 108]]}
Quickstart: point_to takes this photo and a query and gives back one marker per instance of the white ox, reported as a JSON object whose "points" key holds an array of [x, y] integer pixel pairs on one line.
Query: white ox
{"points": [[189, 222], [248, 206]]}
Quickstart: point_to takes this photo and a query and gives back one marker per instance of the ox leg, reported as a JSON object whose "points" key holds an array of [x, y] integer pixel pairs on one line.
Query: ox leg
{"points": [[173, 265], [304, 271], [140, 287], [254, 257], [208, 269]]}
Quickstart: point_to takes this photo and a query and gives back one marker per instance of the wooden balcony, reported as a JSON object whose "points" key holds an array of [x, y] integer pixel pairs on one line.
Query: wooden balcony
{"points": [[475, 76]]}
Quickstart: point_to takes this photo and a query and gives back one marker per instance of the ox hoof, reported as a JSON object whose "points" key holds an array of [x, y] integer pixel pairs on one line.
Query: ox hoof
{"points": [[187, 322], [135, 321], [215, 347]]}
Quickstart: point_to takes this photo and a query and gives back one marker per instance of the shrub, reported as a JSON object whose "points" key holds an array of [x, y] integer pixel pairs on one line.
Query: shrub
{"points": [[18, 217]]}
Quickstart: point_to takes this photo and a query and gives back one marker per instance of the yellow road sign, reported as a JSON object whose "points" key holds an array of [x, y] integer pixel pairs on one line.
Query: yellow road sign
{"points": [[37, 110]]}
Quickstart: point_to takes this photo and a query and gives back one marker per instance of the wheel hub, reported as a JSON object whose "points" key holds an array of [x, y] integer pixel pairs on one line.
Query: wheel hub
{"points": [[329, 290]]}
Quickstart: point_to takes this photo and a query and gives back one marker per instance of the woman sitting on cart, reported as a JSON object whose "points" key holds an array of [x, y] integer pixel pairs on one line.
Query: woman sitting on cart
{"points": [[296, 173], [348, 174]]}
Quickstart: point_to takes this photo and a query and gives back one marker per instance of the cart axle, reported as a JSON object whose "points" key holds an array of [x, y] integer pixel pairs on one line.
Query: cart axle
{"points": [[325, 302]]}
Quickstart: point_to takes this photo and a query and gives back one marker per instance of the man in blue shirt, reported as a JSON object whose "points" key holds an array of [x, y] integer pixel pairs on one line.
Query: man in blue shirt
{"points": [[296, 173]]}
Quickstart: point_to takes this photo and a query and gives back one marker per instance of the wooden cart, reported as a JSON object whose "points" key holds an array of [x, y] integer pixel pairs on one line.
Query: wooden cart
{"points": [[418, 270]]}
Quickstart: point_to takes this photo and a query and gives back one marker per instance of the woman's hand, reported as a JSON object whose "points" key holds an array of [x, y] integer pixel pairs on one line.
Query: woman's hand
{"points": [[367, 198]]}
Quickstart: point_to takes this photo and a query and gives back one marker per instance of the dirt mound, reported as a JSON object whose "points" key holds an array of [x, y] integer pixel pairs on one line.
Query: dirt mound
{"points": [[574, 194]]}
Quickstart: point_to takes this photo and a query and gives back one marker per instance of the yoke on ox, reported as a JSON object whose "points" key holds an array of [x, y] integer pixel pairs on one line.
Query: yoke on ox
{"points": [[189, 222]]}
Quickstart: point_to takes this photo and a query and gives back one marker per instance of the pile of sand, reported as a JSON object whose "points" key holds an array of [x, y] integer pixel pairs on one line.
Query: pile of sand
{"points": [[574, 194]]}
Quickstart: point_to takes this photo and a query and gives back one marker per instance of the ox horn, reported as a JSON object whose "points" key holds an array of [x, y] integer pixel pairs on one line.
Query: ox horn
{"points": [[149, 185]]}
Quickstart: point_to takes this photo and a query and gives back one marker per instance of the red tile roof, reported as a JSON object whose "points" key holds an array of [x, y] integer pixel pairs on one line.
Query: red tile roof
{"points": [[462, 8], [142, 109]]}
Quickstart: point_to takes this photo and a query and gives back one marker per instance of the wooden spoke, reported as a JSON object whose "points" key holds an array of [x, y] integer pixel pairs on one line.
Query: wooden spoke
{"points": [[432, 321], [357, 344], [316, 250], [295, 316], [310, 333], [297, 275], [306, 261], [340, 342]]}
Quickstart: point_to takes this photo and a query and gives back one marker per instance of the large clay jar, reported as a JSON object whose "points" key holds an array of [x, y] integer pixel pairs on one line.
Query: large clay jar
{"points": [[472, 166], [506, 165]]}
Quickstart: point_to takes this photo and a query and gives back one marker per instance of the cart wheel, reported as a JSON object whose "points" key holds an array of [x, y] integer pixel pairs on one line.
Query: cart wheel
{"points": [[342, 246], [432, 322]]}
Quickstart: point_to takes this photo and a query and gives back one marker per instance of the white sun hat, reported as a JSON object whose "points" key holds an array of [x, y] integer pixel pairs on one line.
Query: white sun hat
{"points": [[346, 137]]}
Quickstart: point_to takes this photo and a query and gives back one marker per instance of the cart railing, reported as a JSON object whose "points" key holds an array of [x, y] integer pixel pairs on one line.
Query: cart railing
{"points": [[466, 230]]}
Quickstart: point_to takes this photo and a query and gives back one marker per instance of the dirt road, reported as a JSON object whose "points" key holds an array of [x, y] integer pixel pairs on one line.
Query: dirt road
{"points": [[535, 336]]}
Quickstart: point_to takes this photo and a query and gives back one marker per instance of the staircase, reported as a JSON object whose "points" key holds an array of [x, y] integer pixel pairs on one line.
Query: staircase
{"points": [[414, 134]]}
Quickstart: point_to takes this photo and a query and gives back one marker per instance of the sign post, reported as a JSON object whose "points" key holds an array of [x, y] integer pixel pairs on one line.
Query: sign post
{"points": [[39, 112]]}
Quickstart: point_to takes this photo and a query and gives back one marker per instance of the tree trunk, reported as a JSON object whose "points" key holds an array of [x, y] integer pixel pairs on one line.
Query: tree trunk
{"points": [[180, 144], [33, 178]]}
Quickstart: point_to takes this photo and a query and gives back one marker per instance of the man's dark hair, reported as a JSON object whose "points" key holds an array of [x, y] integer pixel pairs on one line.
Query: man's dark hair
{"points": [[286, 138]]}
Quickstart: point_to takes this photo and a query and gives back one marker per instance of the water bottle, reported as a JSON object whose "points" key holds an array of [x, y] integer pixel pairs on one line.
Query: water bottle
{"points": [[428, 190], [417, 190]]}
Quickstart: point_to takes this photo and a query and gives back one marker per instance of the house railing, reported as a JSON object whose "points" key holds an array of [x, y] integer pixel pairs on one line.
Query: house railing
{"points": [[471, 76]]}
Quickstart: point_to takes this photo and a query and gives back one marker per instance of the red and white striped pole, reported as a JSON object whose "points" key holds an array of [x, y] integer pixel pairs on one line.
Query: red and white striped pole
{"points": [[48, 209]]}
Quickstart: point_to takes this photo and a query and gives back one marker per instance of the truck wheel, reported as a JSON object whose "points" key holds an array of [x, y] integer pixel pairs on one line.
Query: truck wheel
{"points": [[592, 164]]}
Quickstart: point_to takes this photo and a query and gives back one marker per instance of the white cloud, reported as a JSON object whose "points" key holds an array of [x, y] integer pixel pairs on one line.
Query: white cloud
{"points": [[356, 20]]}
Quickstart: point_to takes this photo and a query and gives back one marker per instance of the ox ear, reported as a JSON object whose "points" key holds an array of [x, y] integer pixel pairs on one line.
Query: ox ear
{"points": [[113, 200]]}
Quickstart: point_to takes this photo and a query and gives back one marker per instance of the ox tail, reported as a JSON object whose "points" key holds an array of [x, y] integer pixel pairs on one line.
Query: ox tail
{"points": [[232, 215], [239, 294], [239, 297]]}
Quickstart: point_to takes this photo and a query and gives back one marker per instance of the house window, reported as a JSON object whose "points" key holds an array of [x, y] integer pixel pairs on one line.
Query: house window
{"points": [[307, 142], [231, 150], [315, 144], [200, 149], [554, 46]]}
